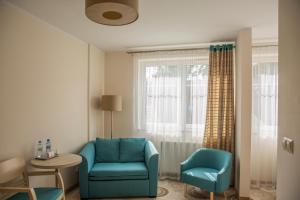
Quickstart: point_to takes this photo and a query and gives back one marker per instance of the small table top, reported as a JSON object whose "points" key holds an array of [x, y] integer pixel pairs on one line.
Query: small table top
{"points": [[59, 162]]}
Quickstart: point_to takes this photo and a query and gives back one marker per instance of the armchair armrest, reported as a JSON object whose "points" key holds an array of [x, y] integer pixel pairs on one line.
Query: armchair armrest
{"points": [[191, 162], [151, 160], [88, 156], [224, 177], [30, 191]]}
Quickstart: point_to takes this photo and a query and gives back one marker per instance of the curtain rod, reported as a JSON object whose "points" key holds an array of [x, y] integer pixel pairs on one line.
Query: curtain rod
{"points": [[196, 48], [264, 45], [175, 47], [152, 51]]}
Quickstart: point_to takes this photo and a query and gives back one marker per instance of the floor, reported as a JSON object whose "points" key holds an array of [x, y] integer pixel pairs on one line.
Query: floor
{"points": [[257, 194], [175, 191]]}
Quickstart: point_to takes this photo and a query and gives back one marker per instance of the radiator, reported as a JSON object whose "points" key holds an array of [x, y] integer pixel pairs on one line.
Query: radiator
{"points": [[171, 155]]}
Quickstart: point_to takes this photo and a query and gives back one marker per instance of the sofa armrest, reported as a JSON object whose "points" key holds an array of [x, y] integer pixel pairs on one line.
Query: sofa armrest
{"points": [[151, 160], [88, 156]]}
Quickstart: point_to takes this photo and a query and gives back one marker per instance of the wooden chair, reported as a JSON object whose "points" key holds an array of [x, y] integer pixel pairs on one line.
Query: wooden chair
{"points": [[15, 168]]}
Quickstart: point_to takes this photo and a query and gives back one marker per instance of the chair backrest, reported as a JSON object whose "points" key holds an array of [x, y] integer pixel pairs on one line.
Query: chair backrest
{"points": [[11, 169], [214, 158]]}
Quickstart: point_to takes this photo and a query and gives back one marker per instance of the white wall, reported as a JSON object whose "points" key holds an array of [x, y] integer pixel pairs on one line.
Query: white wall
{"points": [[288, 181], [44, 87], [243, 111], [119, 80]]}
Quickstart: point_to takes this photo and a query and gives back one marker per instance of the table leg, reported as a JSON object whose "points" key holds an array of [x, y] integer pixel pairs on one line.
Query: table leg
{"points": [[56, 177], [59, 181]]}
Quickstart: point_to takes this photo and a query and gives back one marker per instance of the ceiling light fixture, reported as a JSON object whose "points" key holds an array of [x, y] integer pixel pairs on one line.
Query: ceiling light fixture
{"points": [[112, 12]]}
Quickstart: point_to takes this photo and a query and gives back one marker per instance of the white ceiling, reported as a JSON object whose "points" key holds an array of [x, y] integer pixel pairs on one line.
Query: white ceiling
{"points": [[163, 22]]}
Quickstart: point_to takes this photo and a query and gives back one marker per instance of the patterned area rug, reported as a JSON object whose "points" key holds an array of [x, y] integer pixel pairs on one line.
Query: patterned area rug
{"points": [[167, 190], [194, 193], [173, 190], [161, 191]]}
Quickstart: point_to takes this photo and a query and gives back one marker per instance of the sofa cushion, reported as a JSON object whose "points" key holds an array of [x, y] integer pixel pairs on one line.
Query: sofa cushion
{"points": [[204, 178], [107, 150], [132, 149], [119, 171]]}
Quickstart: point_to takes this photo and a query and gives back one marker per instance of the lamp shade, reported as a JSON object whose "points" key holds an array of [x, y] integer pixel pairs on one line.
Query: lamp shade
{"points": [[112, 12], [111, 102]]}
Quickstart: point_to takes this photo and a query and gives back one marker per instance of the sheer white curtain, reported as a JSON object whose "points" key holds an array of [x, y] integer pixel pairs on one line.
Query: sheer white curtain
{"points": [[170, 103], [264, 117]]}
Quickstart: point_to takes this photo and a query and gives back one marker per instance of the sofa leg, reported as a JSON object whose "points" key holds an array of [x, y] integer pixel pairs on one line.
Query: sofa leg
{"points": [[211, 194]]}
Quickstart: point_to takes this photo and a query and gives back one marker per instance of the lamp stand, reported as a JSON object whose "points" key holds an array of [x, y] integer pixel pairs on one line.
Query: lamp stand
{"points": [[111, 103]]}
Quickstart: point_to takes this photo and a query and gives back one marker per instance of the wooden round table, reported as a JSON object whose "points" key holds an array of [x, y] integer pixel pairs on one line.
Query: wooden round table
{"points": [[58, 163]]}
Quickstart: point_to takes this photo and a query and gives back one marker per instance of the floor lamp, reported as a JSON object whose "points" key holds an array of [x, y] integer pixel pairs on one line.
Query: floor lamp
{"points": [[111, 103]]}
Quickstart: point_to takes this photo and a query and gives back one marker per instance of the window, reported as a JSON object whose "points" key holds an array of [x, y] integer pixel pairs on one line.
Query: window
{"points": [[171, 94]]}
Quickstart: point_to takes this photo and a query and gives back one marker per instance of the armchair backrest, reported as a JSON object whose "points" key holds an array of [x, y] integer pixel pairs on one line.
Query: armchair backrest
{"points": [[12, 169], [213, 158]]}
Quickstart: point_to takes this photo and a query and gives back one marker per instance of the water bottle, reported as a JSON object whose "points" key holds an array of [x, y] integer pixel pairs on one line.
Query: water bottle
{"points": [[48, 145], [39, 150]]}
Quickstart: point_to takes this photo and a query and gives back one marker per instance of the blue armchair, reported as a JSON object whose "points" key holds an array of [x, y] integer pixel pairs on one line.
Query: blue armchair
{"points": [[126, 167], [208, 169]]}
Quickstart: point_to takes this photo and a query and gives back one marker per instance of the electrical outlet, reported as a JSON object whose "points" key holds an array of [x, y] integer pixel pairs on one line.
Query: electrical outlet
{"points": [[288, 144]]}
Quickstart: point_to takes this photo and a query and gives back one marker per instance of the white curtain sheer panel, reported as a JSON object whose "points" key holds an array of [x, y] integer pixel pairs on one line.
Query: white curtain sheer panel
{"points": [[264, 117], [170, 95]]}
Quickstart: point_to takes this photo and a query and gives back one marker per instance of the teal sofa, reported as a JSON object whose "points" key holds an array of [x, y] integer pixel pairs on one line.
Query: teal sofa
{"points": [[125, 167], [208, 169]]}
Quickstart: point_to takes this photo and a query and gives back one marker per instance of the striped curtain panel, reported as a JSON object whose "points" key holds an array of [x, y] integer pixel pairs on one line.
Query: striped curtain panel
{"points": [[219, 125]]}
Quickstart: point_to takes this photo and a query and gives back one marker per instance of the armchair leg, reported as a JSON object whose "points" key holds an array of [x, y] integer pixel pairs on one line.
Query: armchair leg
{"points": [[185, 189], [211, 194], [225, 195]]}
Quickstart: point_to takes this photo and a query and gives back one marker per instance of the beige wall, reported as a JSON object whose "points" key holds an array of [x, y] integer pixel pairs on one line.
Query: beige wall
{"points": [[43, 87], [96, 89], [243, 110], [288, 180], [119, 80]]}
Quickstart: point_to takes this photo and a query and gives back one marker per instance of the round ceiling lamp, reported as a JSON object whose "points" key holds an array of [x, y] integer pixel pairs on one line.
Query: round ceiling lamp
{"points": [[112, 12]]}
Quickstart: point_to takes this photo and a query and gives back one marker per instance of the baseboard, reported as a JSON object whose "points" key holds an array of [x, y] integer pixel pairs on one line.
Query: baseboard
{"points": [[244, 198]]}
